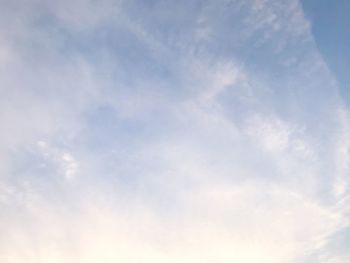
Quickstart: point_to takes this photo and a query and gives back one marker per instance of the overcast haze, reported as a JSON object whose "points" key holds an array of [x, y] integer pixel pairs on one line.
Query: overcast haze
{"points": [[174, 131]]}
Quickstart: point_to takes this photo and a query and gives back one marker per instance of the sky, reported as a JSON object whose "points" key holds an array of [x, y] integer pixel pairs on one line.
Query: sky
{"points": [[174, 131]]}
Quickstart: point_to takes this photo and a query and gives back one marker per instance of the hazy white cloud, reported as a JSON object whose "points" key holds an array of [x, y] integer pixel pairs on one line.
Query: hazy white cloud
{"points": [[160, 131]]}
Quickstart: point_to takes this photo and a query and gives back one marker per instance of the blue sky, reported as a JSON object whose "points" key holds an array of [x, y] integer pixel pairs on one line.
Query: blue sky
{"points": [[332, 37], [174, 131]]}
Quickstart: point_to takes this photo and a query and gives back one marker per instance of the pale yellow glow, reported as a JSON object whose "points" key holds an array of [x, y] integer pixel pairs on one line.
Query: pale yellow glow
{"points": [[220, 223]]}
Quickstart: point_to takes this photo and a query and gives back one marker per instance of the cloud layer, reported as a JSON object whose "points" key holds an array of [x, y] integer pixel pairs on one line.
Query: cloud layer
{"points": [[169, 131]]}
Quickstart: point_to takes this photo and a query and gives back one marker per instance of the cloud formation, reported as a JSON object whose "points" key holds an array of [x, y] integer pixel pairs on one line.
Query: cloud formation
{"points": [[169, 131]]}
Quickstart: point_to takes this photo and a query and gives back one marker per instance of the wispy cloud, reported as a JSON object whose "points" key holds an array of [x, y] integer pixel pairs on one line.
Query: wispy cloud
{"points": [[162, 131]]}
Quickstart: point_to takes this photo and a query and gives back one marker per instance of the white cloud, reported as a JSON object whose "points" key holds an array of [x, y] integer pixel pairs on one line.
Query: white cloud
{"points": [[205, 153], [65, 162], [271, 133]]}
